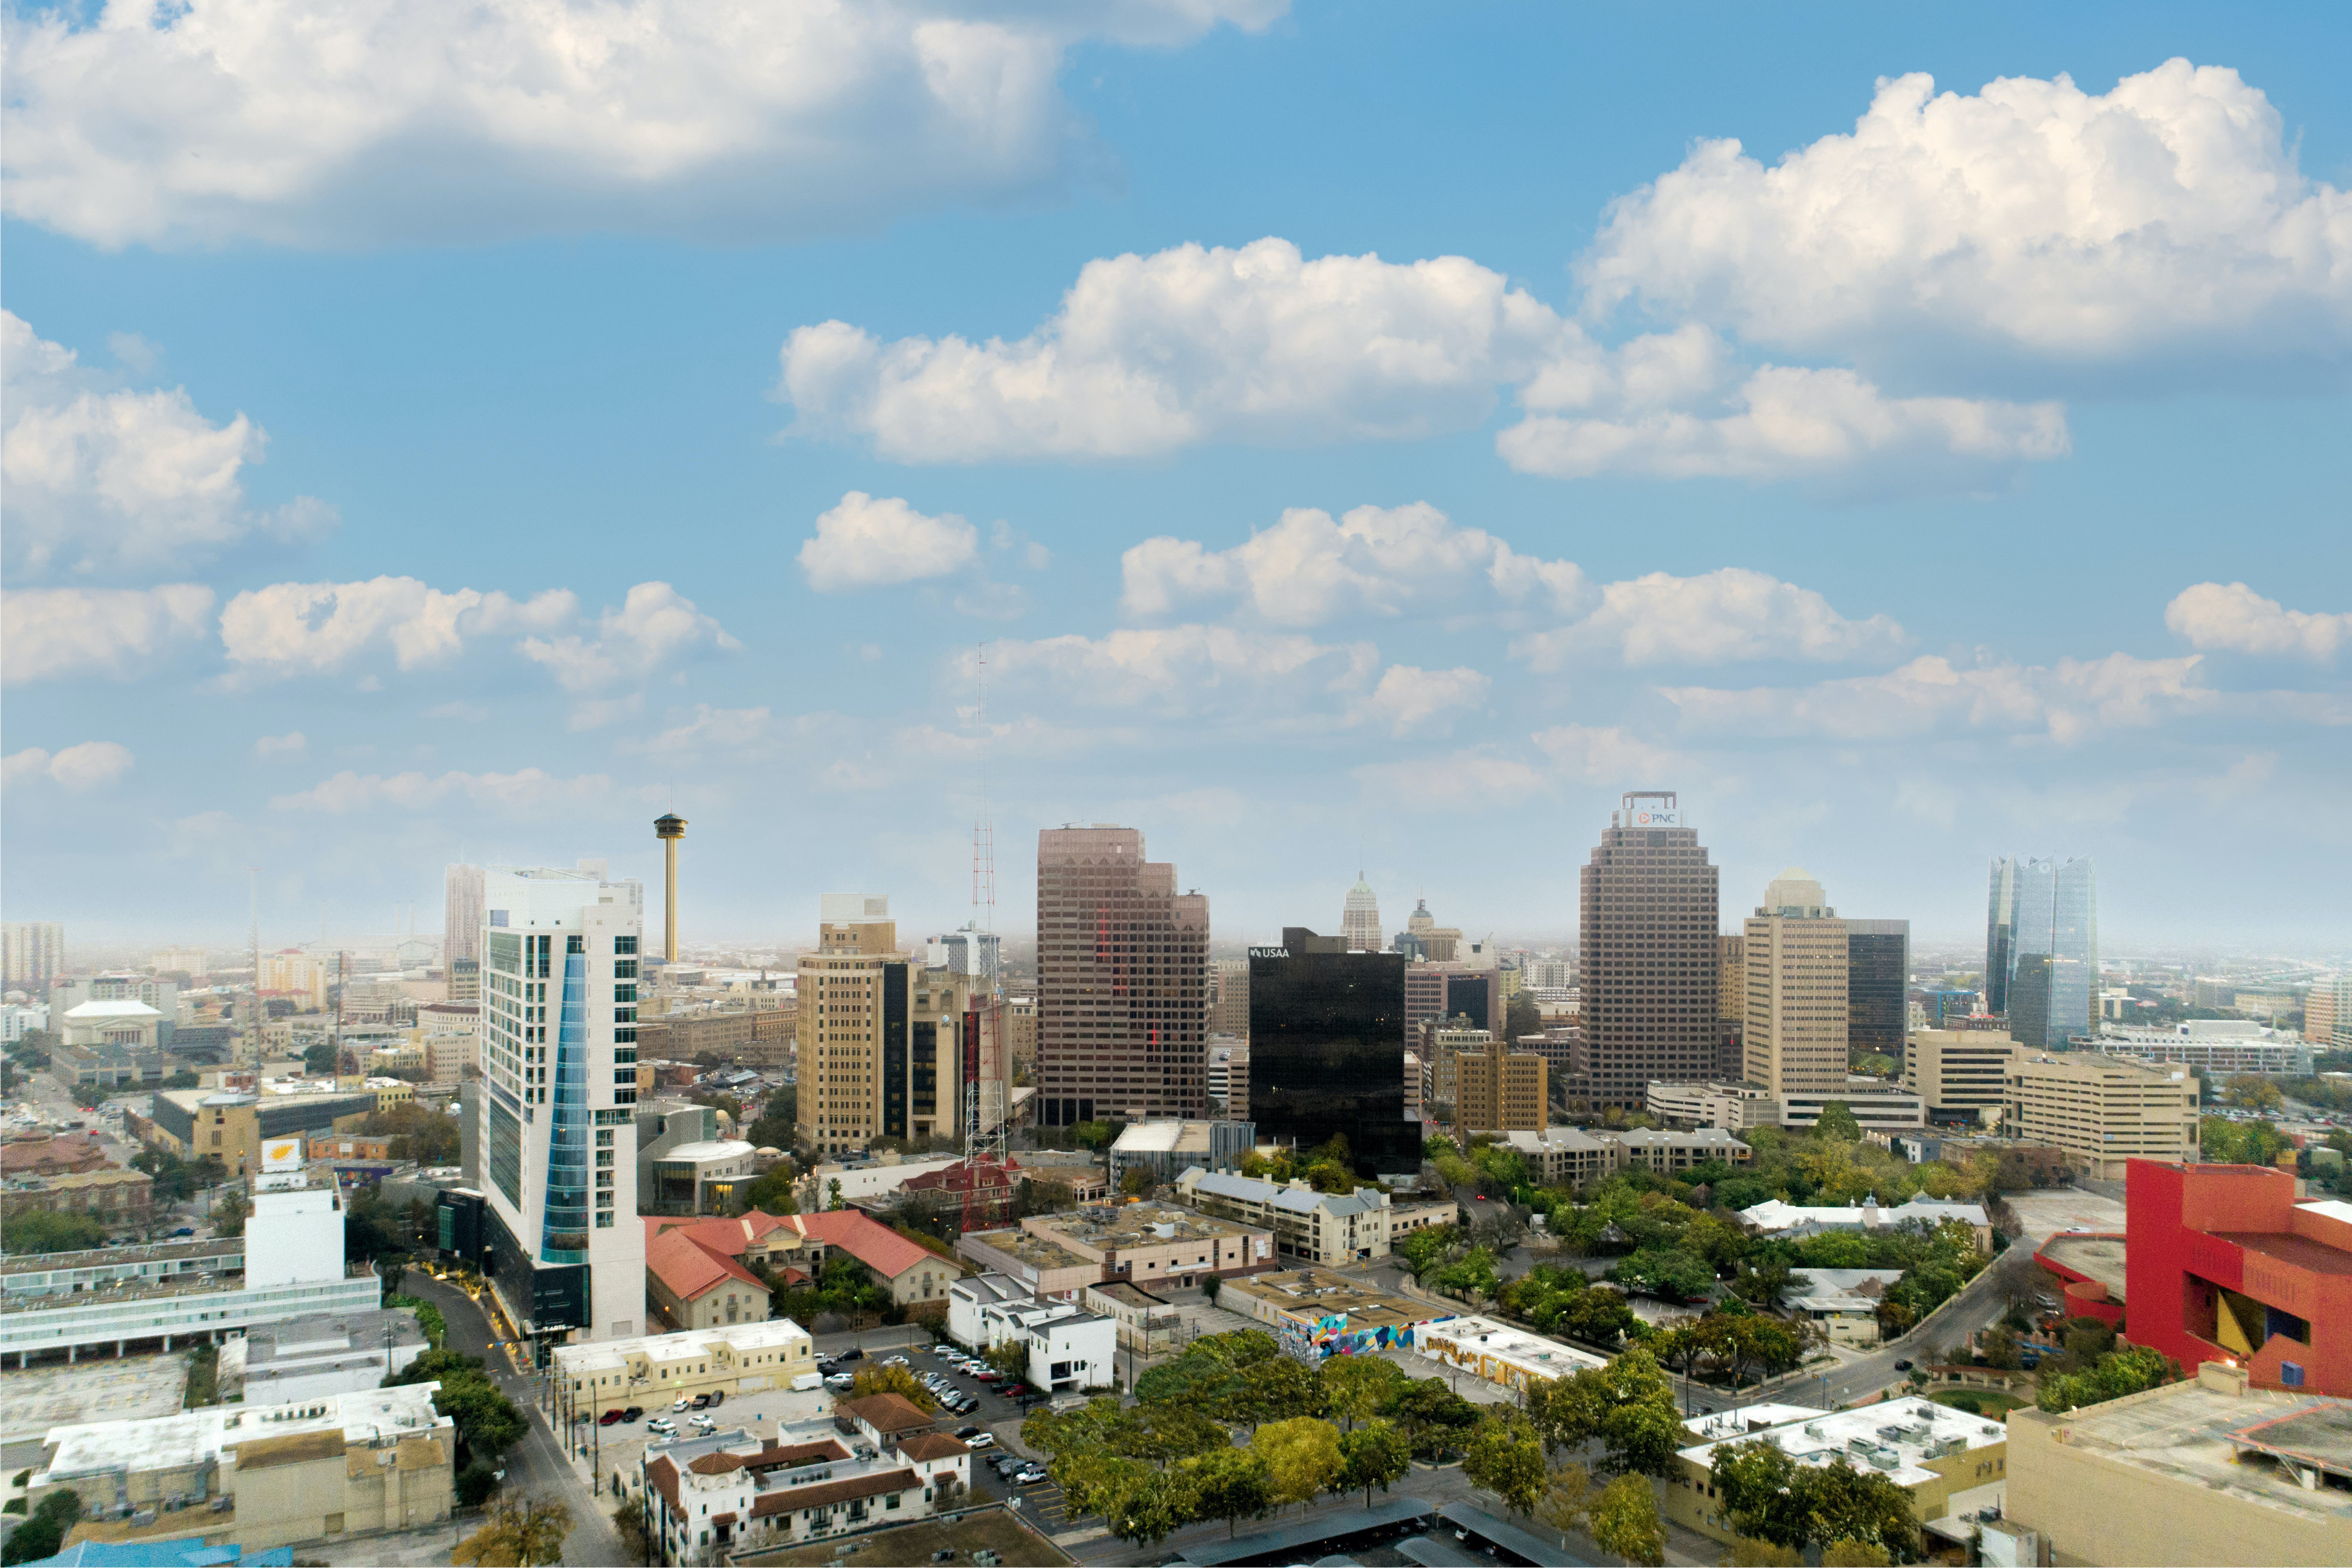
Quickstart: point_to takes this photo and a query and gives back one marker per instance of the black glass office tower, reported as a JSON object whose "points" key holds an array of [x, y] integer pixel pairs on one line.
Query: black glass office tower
{"points": [[2048, 987], [1326, 1049], [1877, 984]]}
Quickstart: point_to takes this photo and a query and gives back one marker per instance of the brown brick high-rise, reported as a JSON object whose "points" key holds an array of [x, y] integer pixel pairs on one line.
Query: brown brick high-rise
{"points": [[1647, 942], [1122, 982]]}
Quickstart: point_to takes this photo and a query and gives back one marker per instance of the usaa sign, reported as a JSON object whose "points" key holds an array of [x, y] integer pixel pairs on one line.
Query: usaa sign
{"points": [[1269, 952]]}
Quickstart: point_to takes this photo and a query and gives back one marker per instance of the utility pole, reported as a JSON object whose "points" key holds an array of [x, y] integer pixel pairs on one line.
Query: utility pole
{"points": [[253, 1023]]}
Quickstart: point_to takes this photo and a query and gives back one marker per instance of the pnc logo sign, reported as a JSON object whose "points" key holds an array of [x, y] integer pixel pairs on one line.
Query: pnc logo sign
{"points": [[1648, 819]]}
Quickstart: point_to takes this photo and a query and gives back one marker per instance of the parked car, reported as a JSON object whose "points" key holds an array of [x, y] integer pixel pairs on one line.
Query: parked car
{"points": [[968, 1432], [633, 1412], [1902, 1366], [702, 1402], [683, 1403], [609, 1418], [852, 1354], [895, 1361], [184, 1230], [718, 1397], [981, 1440], [662, 1426], [1029, 1477], [841, 1380], [988, 1375]]}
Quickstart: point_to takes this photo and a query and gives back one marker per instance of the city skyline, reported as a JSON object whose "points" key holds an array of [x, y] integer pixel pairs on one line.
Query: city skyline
{"points": [[1393, 499]]}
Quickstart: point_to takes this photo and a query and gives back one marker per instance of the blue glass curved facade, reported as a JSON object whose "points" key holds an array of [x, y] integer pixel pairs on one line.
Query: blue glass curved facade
{"points": [[565, 1232]]}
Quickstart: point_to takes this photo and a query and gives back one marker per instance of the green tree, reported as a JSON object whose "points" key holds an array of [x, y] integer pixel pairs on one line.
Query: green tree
{"points": [[1506, 1457], [898, 1380], [1136, 1182], [520, 1533], [1567, 1501], [318, 1061], [772, 1193], [229, 1215], [54, 1233], [1625, 1520], [1357, 1387], [1373, 1455], [1231, 1484], [1434, 1419], [1302, 1457], [43, 1533], [1627, 1405], [1667, 1272], [1837, 1122], [1472, 1274], [1424, 1249], [1276, 1390], [1210, 1285], [1855, 1554], [487, 1422], [2130, 1371]]}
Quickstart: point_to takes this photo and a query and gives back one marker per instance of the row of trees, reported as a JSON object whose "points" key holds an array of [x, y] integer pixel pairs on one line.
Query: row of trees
{"points": [[487, 1422]]}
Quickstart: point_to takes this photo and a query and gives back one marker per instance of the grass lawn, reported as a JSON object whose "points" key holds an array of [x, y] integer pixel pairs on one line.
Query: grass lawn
{"points": [[1987, 1401]]}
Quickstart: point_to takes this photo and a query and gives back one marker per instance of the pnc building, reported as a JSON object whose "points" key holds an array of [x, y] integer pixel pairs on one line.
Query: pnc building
{"points": [[1648, 951]]}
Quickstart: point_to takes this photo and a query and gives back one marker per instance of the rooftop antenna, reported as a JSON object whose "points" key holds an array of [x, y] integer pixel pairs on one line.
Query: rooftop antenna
{"points": [[983, 830], [253, 1024]]}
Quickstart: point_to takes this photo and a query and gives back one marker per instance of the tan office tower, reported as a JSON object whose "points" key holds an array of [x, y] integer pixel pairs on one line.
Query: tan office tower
{"points": [[1122, 983], [1647, 956], [1498, 1090], [1359, 923], [853, 1026], [1730, 1006], [1795, 1036], [461, 930]]}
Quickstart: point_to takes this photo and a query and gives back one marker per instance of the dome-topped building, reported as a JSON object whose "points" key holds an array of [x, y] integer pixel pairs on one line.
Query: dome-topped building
{"points": [[1361, 923]]}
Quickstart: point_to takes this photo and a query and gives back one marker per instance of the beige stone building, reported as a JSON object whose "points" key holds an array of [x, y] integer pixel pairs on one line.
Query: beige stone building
{"points": [[1951, 1462], [1963, 1071], [2200, 1471], [1309, 1227], [2103, 1111], [257, 1476], [841, 1022], [1498, 1090], [1794, 959], [653, 1370]]}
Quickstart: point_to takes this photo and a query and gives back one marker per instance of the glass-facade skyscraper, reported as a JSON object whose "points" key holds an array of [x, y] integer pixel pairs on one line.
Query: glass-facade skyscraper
{"points": [[2052, 980], [1877, 984], [566, 1253], [1326, 1049], [2001, 908]]}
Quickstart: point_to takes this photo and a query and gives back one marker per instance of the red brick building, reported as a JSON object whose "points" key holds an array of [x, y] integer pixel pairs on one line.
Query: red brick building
{"points": [[2225, 1265]]}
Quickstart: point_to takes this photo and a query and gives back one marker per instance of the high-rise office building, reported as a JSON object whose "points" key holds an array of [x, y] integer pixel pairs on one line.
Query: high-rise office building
{"points": [[1877, 985], [2001, 909], [1795, 947], [1361, 923], [34, 956], [1326, 1049], [1498, 1090], [1229, 1002], [557, 1135], [969, 953], [2052, 981], [1647, 948], [1122, 982], [854, 1030], [461, 936]]}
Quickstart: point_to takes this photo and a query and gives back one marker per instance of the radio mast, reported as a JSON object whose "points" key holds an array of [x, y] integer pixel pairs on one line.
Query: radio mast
{"points": [[987, 1180]]}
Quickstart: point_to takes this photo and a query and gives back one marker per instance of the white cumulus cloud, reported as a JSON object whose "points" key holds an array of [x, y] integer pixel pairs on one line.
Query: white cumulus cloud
{"points": [[1308, 568], [1152, 353], [654, 626], [2235, 618], [103, 480], [309, 122], [51, 633], [1410, 698], [318, 628], [1720, 617], [2069, 701], [91, 764], [2163, 217], [1183, 670], [866, 542], [529, 791], [293, 743]]}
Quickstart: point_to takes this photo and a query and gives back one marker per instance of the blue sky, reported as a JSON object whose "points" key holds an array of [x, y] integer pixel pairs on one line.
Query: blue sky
{"points": [[663, 418]]}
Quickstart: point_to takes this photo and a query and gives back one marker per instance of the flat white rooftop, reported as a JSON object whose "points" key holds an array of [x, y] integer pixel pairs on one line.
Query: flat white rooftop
{"points": [[194, 1436], [1894, 1438]]}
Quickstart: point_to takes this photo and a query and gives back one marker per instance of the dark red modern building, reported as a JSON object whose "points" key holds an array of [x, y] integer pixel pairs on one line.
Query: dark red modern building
{"points": [[2225, 1265]]}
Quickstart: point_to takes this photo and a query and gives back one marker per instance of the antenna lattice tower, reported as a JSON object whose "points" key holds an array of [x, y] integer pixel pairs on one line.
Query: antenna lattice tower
{"points": [[988, 1179]]}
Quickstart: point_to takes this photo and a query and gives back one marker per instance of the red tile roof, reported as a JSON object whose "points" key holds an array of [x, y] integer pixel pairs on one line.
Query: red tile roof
{"points": [[886, 1413], [931, 1446], [878, 1247], [688, 1271], [769, 1503], [769, 1458]]}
